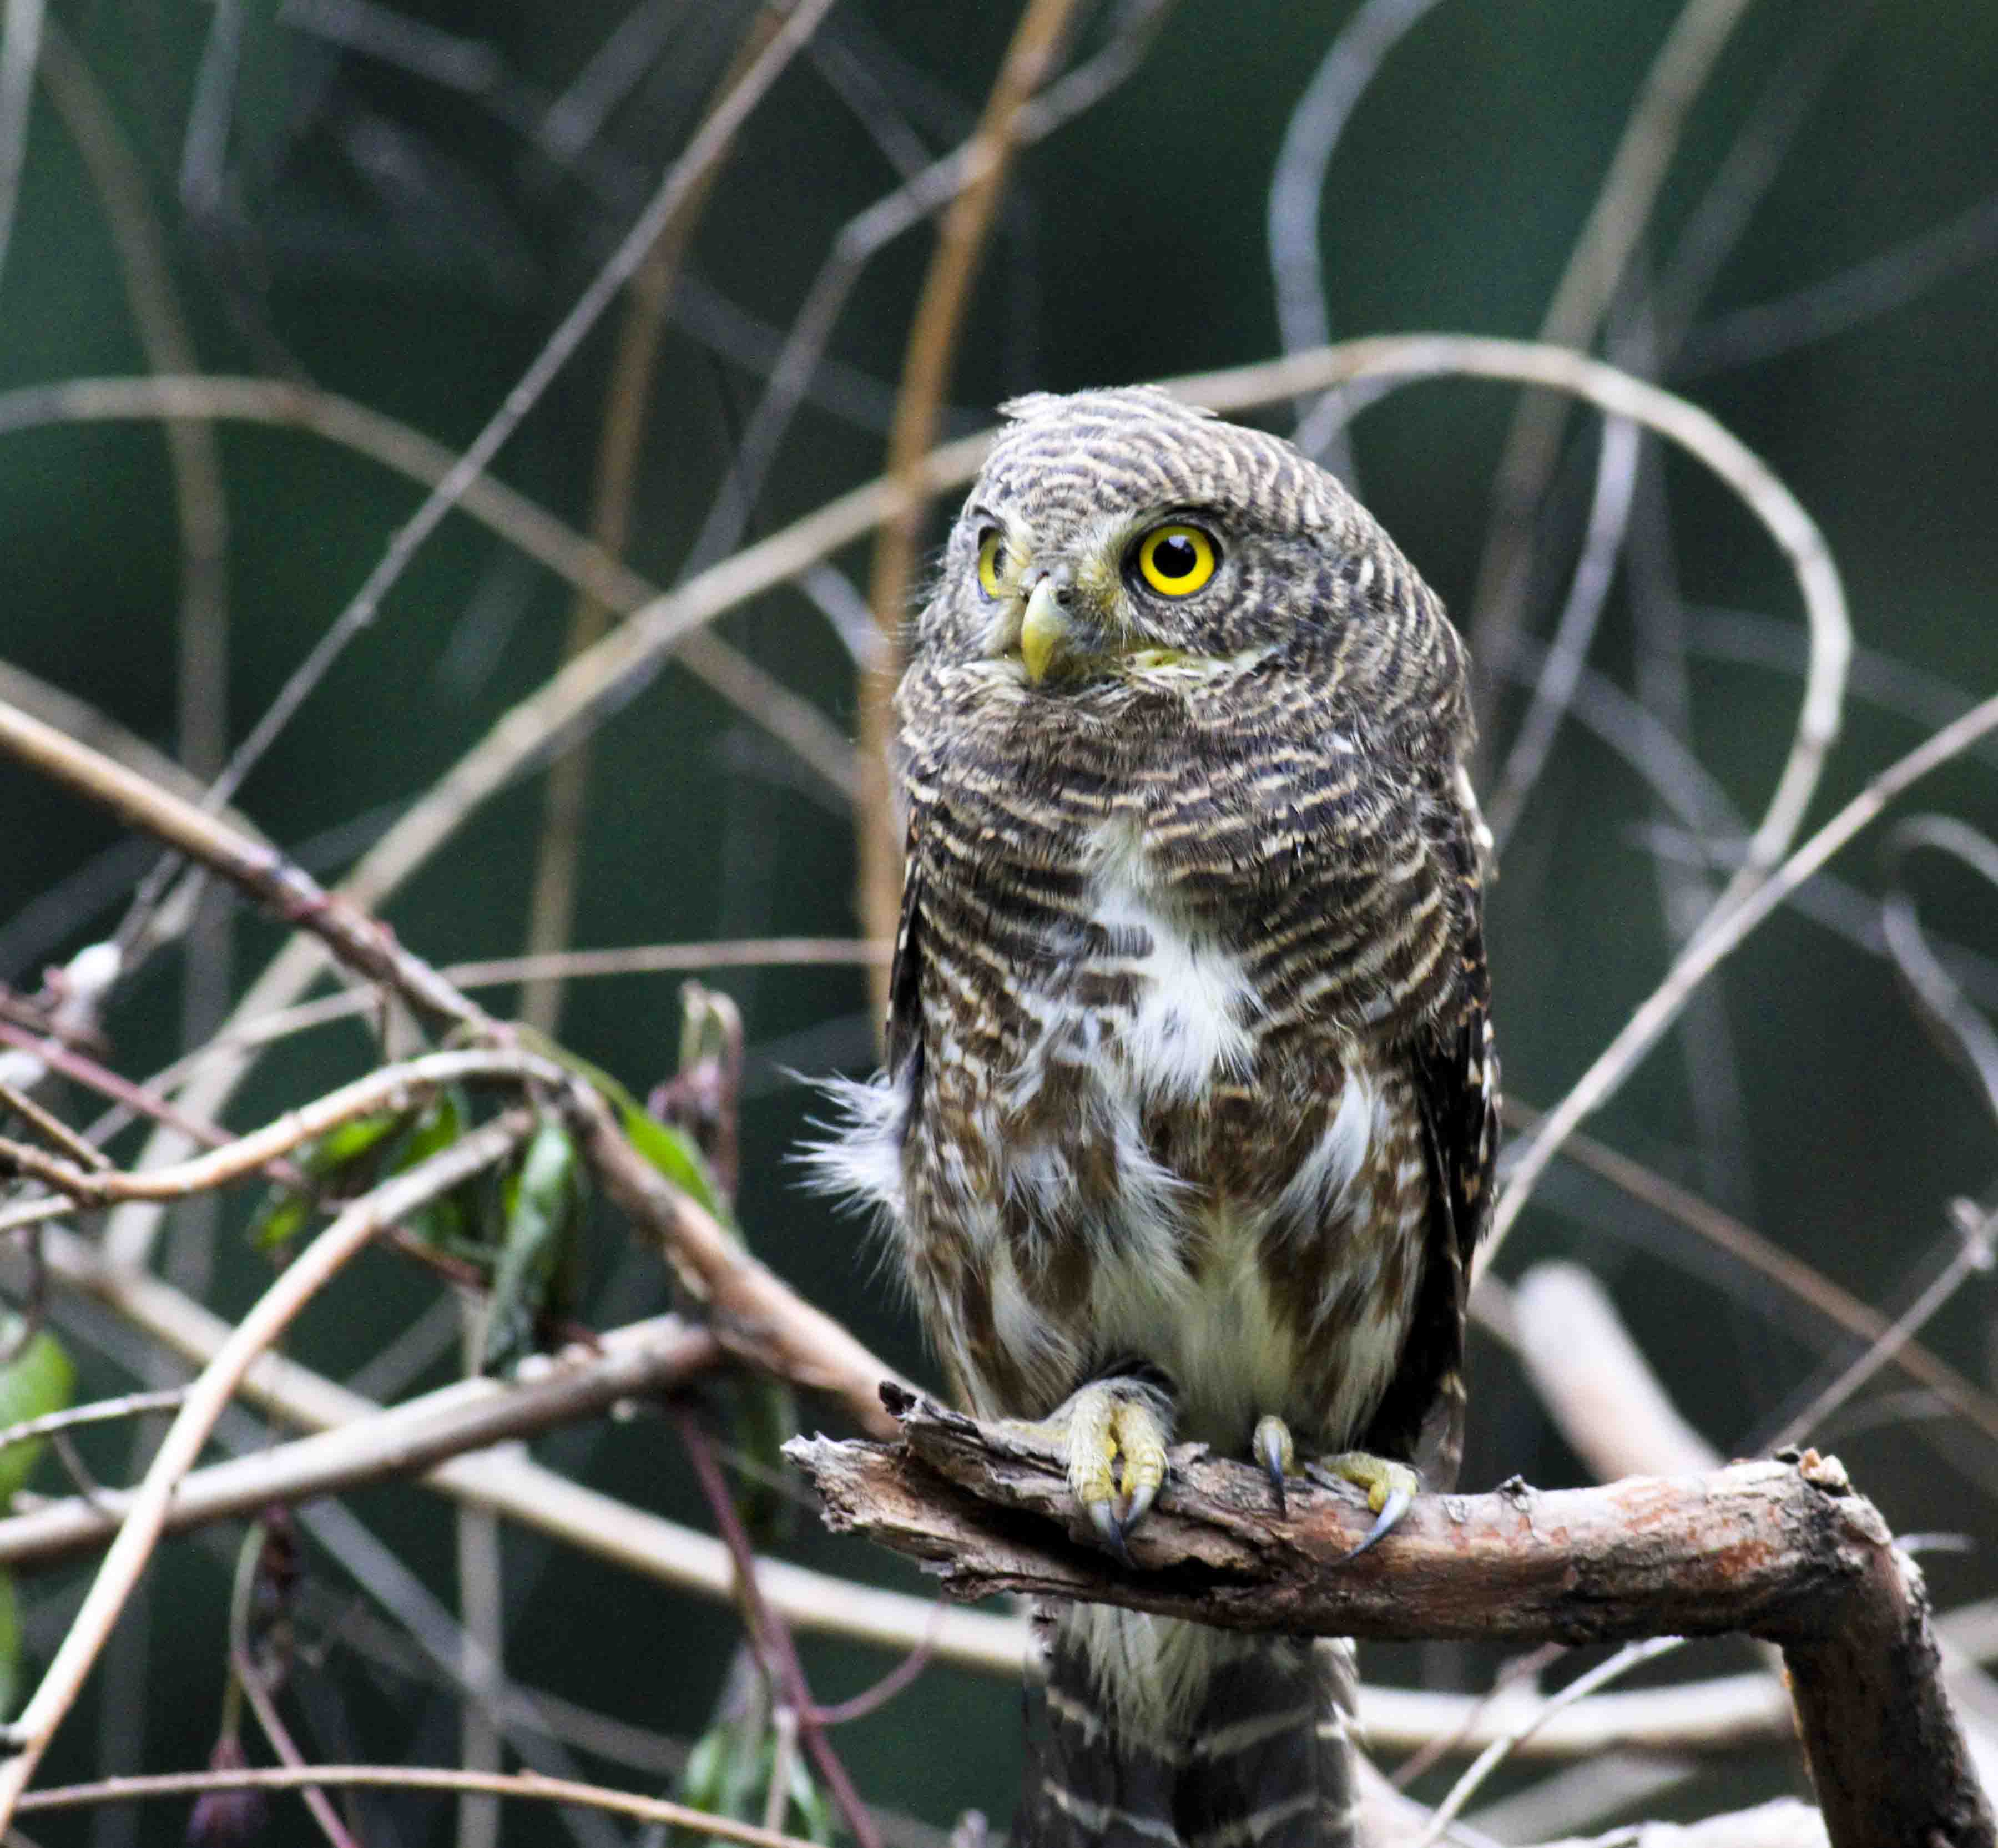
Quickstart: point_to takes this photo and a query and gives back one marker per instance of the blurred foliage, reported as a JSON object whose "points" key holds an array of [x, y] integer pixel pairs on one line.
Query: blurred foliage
{"points": [[37, 1379], [398, 199]]}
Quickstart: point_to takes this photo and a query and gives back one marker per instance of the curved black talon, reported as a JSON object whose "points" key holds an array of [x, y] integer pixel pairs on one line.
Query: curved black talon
{"points": [[1272, 1445], [1110, 1531], [1398, 1502]]}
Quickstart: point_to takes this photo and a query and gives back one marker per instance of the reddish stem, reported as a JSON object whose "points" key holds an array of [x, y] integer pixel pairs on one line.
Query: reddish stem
{"points": [[773, 1638]]}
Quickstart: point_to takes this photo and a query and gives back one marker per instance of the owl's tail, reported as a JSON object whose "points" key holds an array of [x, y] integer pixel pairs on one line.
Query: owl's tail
{"points": [[1149, 1733]]}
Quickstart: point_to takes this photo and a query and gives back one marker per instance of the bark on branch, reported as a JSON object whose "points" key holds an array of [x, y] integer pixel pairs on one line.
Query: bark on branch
{"points": [[1784, 1549]]}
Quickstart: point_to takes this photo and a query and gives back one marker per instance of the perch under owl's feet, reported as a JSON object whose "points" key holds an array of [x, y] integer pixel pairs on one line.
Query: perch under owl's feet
{"points": [[1392, 1487], [1112, 1435]]}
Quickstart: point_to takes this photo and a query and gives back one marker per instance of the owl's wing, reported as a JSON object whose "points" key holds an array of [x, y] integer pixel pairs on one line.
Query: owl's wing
{"points": [[1456, 1069], [904, 1036]]}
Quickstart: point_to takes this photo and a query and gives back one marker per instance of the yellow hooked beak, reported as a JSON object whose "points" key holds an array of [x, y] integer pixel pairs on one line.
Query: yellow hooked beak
{"points": [[1045, 631]]}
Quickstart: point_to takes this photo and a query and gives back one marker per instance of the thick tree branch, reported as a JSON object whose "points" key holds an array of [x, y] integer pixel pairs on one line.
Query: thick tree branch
{"points": [[1783, 1549]]}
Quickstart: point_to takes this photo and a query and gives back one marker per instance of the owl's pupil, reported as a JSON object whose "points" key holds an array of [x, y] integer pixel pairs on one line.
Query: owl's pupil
{"points": [[1175, 557]]}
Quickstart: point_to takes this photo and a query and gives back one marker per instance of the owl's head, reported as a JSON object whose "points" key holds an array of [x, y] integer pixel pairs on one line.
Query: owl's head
{"points": [[1116, 540]]}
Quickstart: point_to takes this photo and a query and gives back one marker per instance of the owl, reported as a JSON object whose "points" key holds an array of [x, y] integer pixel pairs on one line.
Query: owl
{"points": [[1189, 1116]]}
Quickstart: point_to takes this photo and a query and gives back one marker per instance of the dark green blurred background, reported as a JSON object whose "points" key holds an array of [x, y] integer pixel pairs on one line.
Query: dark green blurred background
{"points": [[374, 225]]}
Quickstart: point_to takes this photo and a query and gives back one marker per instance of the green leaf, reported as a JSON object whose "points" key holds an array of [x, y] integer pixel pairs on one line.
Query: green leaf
{"points": [[543, 1218], [10, 1647], [765, 1418], [327, 1161], [38, 1380], [814, 1807], [672, 1153], [728, 1772], [449, 1221], [669, 1150], [282, 1216]]}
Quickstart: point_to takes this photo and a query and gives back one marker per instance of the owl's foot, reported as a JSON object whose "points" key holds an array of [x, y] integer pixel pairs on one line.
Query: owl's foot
{"points": [[1113, 1435], [1277, 1454], [1392, 1488]]}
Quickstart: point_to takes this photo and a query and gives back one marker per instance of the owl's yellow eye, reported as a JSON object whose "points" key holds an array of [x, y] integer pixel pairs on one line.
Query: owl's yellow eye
{"points": [[1176, 560], [991, 562]]}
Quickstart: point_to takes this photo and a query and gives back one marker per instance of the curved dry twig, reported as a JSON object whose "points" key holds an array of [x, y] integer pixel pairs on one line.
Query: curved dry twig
{"points": [[1408, 356]]}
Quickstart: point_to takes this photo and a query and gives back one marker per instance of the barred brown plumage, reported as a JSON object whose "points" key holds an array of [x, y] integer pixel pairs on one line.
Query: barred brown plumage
{"points": [[1190, 1110]]}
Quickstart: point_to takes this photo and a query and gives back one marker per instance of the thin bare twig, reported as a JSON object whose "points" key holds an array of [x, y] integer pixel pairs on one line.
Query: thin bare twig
{"points": [[286, 1749], [51, 1128], [1962, 1030], [709, 142], [758, 696], [1973, 1255], [158, 318], [1747, 1247], [20, 44], [360, 942], [1724, 933], [1877, 286], [1554, 687], [799, 358], [388, 1087], [1632, 1655], [250, 1679], [98, 1411]]}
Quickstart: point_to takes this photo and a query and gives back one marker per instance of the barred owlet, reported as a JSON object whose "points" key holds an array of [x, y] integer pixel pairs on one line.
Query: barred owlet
{"points": [[1189, 1113]]}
